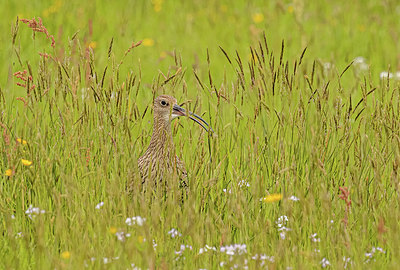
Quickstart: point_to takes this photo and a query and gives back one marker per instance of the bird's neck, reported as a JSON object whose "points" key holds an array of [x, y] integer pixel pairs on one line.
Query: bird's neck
{"points": [[162, 135]]}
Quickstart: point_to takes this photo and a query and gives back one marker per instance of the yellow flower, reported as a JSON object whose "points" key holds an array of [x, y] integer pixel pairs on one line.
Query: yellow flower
{"points": [[290, 9], [157, 5], [9, 172], [258, 17], [112, 230], [148, 42], [21, 141], [140, 239], [26, 162], [91, 44], [52, 9], [66, 255], [272, 198]]}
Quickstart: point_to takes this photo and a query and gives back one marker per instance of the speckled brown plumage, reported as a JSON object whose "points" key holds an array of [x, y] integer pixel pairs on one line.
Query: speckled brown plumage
{"points": [[159, 158]]}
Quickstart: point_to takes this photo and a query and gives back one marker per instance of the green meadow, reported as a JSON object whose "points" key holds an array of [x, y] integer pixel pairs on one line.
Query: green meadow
{"points": [[302, 171]]}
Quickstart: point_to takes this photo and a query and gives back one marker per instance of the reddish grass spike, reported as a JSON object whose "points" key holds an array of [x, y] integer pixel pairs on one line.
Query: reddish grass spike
{"points": [[23, 100], [37, 26]]}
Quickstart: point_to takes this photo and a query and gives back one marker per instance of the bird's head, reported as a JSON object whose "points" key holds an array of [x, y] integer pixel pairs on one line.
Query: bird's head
{"points": [[166, 109]]}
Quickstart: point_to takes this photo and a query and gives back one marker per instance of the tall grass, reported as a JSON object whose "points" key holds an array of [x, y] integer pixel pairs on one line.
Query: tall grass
{"points": [[322, 134]]}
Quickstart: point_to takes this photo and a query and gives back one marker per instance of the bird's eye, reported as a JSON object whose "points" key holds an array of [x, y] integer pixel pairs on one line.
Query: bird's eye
{"points": [[164, 103]]}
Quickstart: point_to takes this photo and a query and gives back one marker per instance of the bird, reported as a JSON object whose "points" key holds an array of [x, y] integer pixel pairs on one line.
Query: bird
{"points": [[159, 161]]}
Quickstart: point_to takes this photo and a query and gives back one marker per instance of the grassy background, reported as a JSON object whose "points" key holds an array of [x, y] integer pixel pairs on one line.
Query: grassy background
{"points": [[285, 123]]}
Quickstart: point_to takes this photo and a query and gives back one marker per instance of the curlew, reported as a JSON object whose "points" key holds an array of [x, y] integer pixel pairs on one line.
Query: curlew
{"points": [[160, 159]]}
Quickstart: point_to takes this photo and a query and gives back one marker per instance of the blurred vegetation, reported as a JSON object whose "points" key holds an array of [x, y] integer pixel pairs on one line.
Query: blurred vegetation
{"points": [[296, 92]]}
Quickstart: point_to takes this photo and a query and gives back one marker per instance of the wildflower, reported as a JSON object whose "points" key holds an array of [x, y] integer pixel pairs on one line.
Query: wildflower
{"points": [[273, 198], [8, 172], [324, 263], [148, 42], [34, 211], [290, 9], [99, 205], [370, 255], [18, 235], [141, 239], [346, 261], [174, 233], [112, 230], [294, 198], [314, 238], [21, 141], [263, 258], [154, 245], [227, 191], [52, 9], [26, 162], [91, 44], [157, 5], [282, 229], [258, 17], [360, 63], [243, 183], [66, 255], [206, 248], [135, 221], [182, 248], [385, 75], [121, 236], [234, 249]]}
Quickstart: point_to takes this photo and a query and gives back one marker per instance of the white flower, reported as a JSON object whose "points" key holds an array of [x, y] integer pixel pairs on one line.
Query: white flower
{"points": [[282, 219], [99, 205], [182, 249], [121, 236], [134, 267], [18, 235], [385, 75], [227, 191], [206, 248], [154, 245], [243, 183], [174, 233], [346, 261], [294, 198], [12, 217], [33, 211], [324, 263], [263, 258], [360, 64], [281, 222], [234, 249], [135, 221], [369, 255], [314, 238]]}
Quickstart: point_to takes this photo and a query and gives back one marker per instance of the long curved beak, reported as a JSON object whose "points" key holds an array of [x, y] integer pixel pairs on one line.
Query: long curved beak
{"points": [[179, 111]]}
